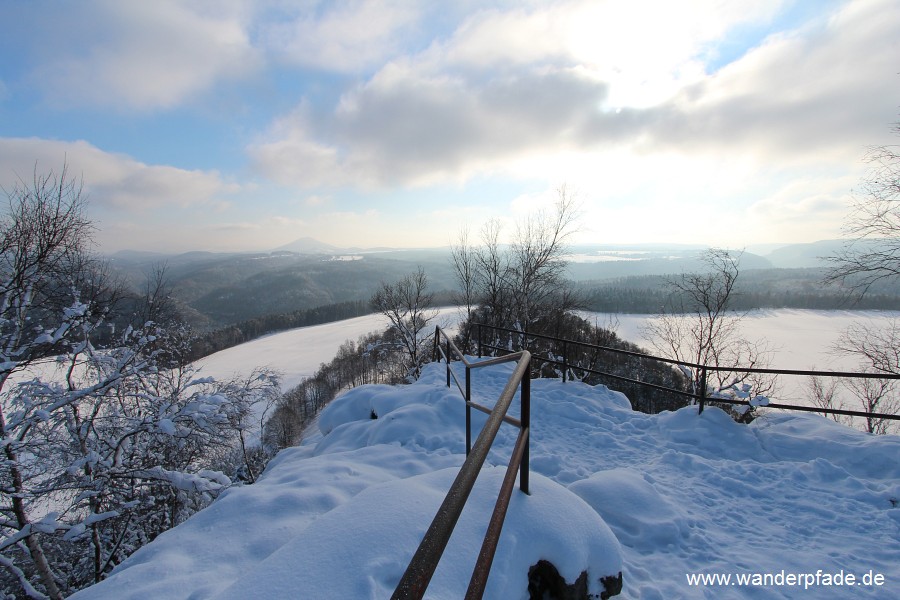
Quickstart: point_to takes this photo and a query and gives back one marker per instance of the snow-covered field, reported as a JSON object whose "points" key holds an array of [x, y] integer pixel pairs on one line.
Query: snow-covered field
{"points": [[793, 502], [800, 339], [297, 353]]}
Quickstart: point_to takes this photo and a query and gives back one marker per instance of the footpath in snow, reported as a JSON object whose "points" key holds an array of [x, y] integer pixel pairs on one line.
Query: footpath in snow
{"points": [[684, 504]]}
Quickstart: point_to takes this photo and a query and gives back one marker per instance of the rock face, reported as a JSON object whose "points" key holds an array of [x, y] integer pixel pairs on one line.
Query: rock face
{"points": [[545, 583]]}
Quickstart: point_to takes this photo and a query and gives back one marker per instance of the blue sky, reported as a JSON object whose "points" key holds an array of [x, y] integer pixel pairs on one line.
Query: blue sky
{"points": [[243, 125]]}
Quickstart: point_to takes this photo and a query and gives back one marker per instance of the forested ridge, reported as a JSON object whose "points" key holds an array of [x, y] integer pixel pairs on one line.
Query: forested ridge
{"points": [[758, 289]]}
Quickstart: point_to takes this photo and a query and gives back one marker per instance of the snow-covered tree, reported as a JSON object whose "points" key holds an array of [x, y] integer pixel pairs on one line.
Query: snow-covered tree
{"points": [[103, 448]]}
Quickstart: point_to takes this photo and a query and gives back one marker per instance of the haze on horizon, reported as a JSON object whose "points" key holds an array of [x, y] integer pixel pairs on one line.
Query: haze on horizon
{"points": [[245, 125]]}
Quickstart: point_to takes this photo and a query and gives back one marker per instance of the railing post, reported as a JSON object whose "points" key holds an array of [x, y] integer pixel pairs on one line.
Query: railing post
{"points": [[525, 409], [448, 361], [565, 357], [437, 343], [702, 388], [468, 410]]}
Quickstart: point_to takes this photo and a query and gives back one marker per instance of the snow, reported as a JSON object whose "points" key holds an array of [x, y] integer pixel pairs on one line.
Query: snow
{"points": [[800, 339], [297, 353], [661, 497]]}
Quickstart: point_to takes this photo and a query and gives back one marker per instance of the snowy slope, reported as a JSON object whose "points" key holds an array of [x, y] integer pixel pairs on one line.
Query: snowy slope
{"points": [[297, 353], [683, 493]]}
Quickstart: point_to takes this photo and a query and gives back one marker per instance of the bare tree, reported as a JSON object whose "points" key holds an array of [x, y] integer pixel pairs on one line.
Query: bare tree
{"points": [[157, 303], [701, 329], [407, 305], [523, 284], [492, 272], [872, 252], [878, 350], [463, 257], [823, 393], [538, 258], [875, 396]]}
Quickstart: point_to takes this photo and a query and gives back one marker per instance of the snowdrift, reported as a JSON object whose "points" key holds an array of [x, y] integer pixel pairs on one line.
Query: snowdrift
{"points": [[659, 497]]}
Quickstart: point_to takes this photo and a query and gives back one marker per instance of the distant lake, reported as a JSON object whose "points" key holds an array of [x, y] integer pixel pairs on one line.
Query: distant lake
{"points": [[800, 339]]}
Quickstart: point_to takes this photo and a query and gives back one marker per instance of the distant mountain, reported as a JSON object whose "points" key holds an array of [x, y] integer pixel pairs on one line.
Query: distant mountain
{"points": [[218, 288], [607, 261], [308, 245], [798, 256]]}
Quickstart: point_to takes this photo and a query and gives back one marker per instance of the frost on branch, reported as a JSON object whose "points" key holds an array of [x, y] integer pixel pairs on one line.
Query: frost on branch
{"points": [[114, 432]]}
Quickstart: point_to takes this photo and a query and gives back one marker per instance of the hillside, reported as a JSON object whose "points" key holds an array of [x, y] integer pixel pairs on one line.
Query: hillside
{"points": [[215, 290], [684, 494], [218, 289]]}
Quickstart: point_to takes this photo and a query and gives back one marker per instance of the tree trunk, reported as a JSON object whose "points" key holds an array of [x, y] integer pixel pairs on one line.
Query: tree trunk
{"points": [[34, 547]]}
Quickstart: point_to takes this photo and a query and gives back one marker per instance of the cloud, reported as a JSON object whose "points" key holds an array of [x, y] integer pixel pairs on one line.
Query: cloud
{"points": [[316, 200], [804, 209], [112, 181], [528, 85], [820, 93], [404, 128], [273, 225], [342, 37], [645, 49], [141, 55]]}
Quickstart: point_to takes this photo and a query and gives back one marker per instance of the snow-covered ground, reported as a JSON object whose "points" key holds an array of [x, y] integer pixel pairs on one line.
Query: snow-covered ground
{"points": [[799, 339], [794, 502], [297, 353]]}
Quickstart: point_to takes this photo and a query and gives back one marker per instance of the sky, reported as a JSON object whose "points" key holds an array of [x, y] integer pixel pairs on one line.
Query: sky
{"points": [[243, 125]]}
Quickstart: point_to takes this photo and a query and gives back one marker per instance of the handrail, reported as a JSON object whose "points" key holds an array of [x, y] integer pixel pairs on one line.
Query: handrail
{"points": [[702, 396], [424, 562]]}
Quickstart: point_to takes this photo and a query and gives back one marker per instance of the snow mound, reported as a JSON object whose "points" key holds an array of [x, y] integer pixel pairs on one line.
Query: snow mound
{"points": [[683, 493], [642, 517], [360, 549]]}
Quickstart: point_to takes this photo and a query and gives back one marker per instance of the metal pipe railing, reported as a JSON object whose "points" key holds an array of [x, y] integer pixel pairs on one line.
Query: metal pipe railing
{"points": [[424, 562], [701, 394]]}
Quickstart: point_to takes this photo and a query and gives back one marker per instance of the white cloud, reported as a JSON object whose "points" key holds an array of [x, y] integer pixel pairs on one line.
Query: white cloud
{"points": [[289, 154], [345, 36], [535, 83], [805, 209], [818, 94], [316, 200], [644, 49], [113, 181], [143, 55], [405, 128]]}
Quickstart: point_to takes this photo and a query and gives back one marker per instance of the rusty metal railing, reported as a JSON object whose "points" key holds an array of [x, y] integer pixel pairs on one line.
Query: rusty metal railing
{"points": [[701, 395], [424, 562]]}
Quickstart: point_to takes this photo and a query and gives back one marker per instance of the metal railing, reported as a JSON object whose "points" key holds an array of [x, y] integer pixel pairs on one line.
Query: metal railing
{"points": [[701, 396], [424, 562]]}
